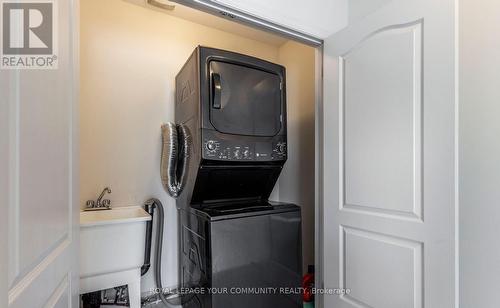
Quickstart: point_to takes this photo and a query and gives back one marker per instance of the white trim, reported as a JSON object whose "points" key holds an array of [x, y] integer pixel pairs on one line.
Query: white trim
{"points": [[254, 21], [74, 150], [457, 151], [318, 209], [14, 142]]}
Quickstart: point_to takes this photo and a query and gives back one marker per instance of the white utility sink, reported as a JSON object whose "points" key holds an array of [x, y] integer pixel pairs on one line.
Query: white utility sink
{"points": [[112, 250], [116, 215]]}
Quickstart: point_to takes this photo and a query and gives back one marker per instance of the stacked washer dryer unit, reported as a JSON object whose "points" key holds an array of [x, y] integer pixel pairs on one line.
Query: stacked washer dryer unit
{"points": [[232, 108]]}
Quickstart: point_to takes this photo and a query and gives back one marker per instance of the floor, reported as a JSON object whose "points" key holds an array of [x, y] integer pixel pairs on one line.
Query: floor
{"points": [[150, 305], [156, 304], [160, 304]]}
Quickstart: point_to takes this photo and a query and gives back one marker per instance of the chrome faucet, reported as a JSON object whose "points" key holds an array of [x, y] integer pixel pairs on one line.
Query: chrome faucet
{"points": [[105, 202], [100, 204]]}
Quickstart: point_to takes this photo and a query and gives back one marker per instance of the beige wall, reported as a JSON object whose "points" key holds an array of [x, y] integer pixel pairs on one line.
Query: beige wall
{"points": [[129, 58], [296, 183]]}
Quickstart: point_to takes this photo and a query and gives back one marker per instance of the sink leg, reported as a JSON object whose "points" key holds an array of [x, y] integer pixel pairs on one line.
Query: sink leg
{"points": [[134, 294]]}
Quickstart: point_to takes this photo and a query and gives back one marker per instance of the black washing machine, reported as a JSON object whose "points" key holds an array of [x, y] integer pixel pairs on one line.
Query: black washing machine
{"points": [[244, 255]]}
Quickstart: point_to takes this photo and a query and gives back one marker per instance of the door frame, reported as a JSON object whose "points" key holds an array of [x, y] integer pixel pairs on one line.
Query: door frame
{"points": [[75, 155], [226, 12], [255, 22], [5, 78], [318, 173], [235, 16]]}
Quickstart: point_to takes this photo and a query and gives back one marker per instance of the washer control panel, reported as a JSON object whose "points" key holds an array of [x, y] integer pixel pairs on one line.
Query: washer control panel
{"points": [[228, 150]]}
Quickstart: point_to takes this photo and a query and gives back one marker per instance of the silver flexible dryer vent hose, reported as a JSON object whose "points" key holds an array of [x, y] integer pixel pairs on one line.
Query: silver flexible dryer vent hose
{"points": [[174, 157]]}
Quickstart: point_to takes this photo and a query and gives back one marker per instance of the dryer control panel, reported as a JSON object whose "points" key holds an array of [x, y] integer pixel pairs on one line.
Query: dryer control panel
{"points": [[224, 149]]}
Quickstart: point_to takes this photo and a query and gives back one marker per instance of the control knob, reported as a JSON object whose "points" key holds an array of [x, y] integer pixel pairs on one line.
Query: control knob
{"points": [[211, 145], [246, 153], [237, 154], [281, 148]]}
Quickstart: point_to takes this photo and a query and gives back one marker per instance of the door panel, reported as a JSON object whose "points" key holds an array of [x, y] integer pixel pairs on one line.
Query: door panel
{"points": [[368, 256], [42, 184], [382, 156], [389, 167]]}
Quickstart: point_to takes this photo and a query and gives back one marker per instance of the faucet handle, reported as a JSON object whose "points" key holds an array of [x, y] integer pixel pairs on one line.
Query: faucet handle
{"points": [[90, 203], [106, 202]]}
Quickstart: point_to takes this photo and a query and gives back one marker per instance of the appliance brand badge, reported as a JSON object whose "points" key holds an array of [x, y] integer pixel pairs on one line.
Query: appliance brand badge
{"points": [[29, 37]]}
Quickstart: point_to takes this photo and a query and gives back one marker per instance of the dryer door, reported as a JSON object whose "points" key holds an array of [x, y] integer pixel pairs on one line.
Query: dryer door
{"points": [[244, 100]]}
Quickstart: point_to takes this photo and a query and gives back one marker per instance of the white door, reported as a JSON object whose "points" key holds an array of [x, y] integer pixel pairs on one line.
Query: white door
{"points": [[389, 158], [39, 142]]}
